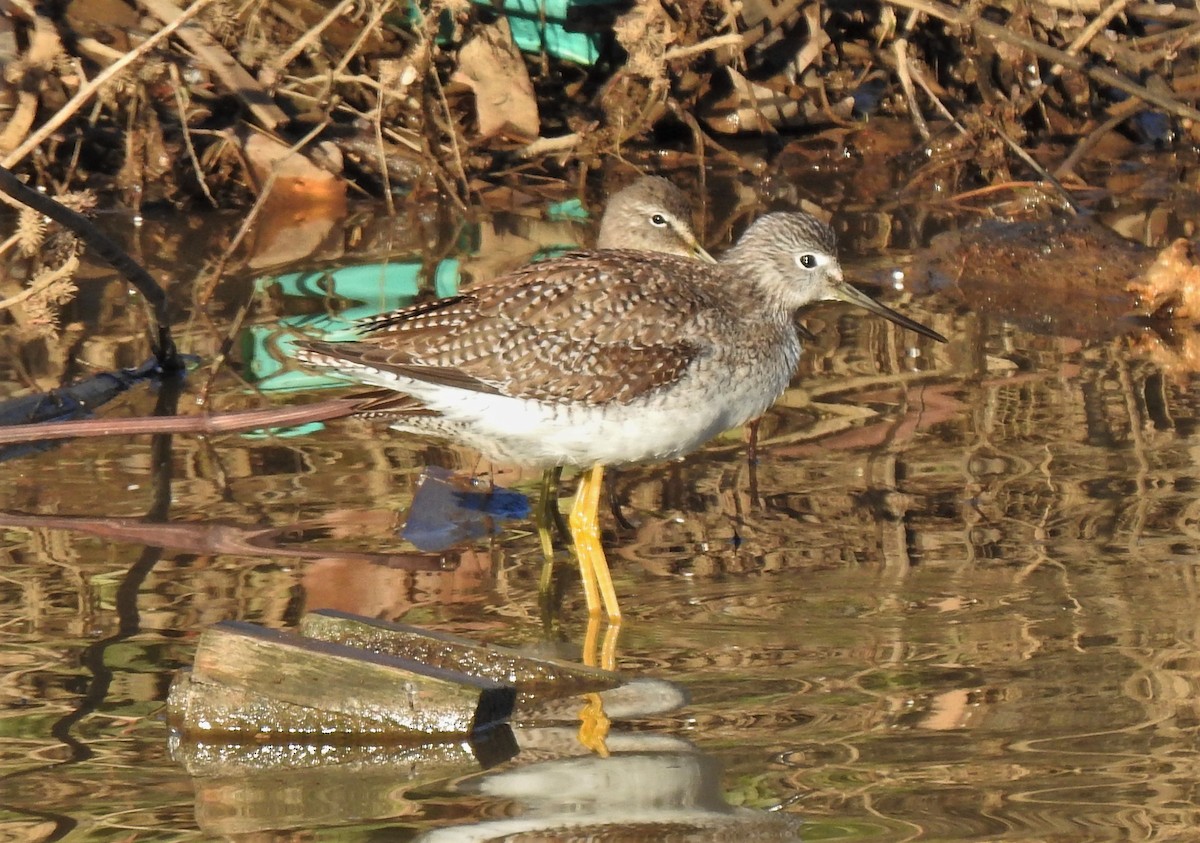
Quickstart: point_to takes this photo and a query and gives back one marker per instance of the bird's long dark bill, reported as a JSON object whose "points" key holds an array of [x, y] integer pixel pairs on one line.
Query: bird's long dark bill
{"points": [[851, 295]]}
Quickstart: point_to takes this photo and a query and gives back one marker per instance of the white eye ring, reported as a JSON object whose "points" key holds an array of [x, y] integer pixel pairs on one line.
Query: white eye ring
{"points": [[658, 220]]}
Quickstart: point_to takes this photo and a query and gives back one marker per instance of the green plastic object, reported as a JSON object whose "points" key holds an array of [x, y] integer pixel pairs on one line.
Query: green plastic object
{"points": [[536, 36], [384, 283], [538, 26], [371, 289], [571, 210]]}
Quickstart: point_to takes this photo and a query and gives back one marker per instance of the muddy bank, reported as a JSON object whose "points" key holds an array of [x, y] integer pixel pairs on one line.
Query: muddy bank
{"points": [[214, 102]]}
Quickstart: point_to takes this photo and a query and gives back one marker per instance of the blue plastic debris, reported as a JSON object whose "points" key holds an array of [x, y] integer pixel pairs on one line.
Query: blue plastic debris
{"points": [[449, 509]]}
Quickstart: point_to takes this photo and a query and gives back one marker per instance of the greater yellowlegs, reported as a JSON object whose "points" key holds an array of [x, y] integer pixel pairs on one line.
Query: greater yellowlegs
{"points": [[650, 214], [606, 357]]}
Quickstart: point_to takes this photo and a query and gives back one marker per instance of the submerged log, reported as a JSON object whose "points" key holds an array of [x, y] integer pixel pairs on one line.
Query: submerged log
{"points": [[254, 683], [532, 677], [1065, 276], [248, 788]]}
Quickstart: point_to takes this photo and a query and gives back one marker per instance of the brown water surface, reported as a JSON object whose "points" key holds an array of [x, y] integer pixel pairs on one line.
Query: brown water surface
{"points": [[958, 601]]}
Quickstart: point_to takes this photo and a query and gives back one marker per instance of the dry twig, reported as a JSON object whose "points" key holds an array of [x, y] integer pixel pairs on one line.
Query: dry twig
{"points": [[86, 92]]}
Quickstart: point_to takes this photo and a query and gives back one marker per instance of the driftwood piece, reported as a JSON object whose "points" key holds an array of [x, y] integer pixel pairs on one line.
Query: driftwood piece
{"points": [[1170, 286], [226, 68], [248, 681], [543, 678], [317, 766]]}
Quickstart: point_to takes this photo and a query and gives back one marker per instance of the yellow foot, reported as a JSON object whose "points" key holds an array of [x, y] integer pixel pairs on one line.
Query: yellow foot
{"points": [[594, 725], [593, 722]]}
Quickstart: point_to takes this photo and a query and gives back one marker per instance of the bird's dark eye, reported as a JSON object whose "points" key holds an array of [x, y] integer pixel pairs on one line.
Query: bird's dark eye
{"points": [[659, 220], [808, 261]]}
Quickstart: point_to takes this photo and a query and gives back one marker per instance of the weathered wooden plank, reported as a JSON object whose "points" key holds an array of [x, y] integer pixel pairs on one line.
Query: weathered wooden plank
{"points": [[354, 690], [544, 678], [214, 711]]}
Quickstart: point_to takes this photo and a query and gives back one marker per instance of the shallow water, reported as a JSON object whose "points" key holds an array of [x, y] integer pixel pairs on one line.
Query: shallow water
{"points": [[955, 599]]}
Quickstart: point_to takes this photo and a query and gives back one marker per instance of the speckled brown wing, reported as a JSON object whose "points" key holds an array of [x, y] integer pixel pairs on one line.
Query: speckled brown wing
{"points": [[387, 404], [590, 327]]}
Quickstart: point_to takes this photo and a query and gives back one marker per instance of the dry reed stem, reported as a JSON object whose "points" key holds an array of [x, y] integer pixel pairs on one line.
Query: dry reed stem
{"points": [[995, 32], [231, 422], [43, 283], [223, 355], [181, 106], [86, 92], [308, 38], [732, 39]]}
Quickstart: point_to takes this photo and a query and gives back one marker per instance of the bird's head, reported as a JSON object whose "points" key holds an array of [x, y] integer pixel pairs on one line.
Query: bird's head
{"points": [[652, 215], [792, 256]]}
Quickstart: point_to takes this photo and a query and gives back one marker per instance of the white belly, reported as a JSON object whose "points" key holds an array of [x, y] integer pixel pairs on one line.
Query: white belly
{"points": [[660, 426]]}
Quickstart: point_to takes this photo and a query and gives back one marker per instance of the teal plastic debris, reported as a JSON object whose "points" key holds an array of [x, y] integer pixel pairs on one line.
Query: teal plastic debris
{"points": [[362, 291], [571, 210], [541, 26], [565, 29], [368, 283], [534, 36], [285, 432], [371, 289], [559, 28]]}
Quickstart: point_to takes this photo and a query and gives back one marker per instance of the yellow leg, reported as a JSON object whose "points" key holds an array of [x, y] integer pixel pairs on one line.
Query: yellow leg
{"points": [[541, 521], [608, 651], [589, 640], [545, 517], [584, 528], [598, 589], [585, 533], [608, 655]]}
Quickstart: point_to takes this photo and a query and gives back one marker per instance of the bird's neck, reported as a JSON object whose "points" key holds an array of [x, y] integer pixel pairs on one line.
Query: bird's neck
{"points": [[747, 282]]}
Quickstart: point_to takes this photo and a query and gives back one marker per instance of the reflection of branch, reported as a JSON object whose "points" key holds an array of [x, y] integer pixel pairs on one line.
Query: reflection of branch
{"points": [[213, 539], [42, 284], [129, 623], [233, 422], [106, 248], [218, 271]]}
